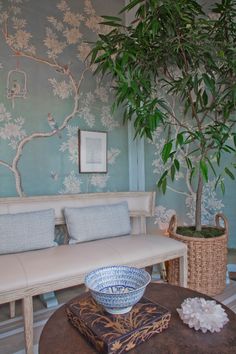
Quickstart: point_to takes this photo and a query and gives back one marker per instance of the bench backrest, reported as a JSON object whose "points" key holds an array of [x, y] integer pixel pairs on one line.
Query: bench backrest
{"points": [[141, 205]]}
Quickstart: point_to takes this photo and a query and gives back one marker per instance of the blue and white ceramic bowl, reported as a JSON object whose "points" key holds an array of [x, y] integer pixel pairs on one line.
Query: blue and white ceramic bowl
{"points": [[117, 288]]}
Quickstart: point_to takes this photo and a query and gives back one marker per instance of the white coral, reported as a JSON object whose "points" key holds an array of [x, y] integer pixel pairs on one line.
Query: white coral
{"points": [[203, 314]]}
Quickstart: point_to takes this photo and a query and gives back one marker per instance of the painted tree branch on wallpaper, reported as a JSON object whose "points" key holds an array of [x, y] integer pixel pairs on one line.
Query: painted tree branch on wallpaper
{"points": [[62, 34]]}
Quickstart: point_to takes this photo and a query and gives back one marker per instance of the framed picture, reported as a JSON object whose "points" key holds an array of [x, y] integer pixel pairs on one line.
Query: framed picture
{"points": [[92, 151]]}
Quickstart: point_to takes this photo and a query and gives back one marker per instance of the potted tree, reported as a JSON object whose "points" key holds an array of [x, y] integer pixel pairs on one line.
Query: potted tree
{"points": [[178, 48]]}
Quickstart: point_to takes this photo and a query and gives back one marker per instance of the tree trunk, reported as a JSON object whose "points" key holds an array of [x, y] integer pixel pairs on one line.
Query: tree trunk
{"points": [[198, 212]]}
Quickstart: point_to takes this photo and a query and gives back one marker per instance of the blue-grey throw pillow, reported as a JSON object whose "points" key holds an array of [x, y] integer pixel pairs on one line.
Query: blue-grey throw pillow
{"points": [[27, 231], [98, 221]]}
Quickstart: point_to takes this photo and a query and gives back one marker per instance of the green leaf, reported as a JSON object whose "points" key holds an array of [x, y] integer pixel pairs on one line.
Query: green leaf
{"points": [[179, 139], [189, 163], [217, 181], [218, 158], [162, 103], [209, 82], [164, 185], [93, 55], [211, 165], [111, 24], [112, 18], [205, 98], [192, 174], [229, 148], [131, 5], [166, 151], [177, 165], [222, 186], [229, 173], [193, 151], [204, 170], [163, 176], [172, 172], [195, 84], [172, 154]]}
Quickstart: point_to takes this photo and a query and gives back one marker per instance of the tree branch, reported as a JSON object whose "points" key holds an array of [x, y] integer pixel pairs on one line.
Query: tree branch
{"points": [[7, 165]]}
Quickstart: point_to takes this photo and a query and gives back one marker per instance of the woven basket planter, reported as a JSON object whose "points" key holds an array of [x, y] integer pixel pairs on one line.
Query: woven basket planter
{"points": [[207, 259]]}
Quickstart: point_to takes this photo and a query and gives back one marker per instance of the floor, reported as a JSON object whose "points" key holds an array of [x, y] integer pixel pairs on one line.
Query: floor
{"points": [[11, 330]]}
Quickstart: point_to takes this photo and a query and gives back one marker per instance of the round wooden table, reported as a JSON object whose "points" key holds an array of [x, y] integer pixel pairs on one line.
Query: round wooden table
{"points": [[60, 337]]}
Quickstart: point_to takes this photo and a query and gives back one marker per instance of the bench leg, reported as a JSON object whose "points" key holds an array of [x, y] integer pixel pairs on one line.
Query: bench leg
{"points": [[27, 303], [183, 270], [12, 309]]}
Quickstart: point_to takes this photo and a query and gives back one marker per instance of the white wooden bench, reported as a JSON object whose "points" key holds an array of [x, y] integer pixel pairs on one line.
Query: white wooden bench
{"points": [[26, 274]]}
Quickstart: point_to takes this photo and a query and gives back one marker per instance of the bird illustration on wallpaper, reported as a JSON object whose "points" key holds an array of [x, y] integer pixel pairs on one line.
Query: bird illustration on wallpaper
{"points": [[15, 89], [70, 27]]}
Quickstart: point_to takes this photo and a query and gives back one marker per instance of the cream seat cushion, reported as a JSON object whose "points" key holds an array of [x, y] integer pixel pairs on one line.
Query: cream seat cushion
{"points": [[68, 261], [12, 273]]}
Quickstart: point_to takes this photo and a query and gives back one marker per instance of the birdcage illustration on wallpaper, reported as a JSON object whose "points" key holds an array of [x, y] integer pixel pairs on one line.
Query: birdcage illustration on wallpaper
{"points": [[16, 85]]}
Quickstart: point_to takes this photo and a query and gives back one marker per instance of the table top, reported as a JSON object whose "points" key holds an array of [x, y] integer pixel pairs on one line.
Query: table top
{"points": [[60, 337]]}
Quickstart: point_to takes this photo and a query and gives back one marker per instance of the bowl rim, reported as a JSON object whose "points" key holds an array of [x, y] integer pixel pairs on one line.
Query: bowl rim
{"points": [[118, 266]]}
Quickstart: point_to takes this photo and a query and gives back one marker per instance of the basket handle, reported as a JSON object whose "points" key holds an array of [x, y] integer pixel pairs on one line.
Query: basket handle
{"points": [[223, 217], [173, 224]]}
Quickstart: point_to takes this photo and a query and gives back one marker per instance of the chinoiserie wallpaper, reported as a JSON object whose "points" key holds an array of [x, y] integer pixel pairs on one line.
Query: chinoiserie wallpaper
{"points": [[48, 92]]}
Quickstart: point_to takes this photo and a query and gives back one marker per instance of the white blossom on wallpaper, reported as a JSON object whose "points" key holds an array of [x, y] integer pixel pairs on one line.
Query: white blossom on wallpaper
{"points": [[107, 120], [71, 144], [102, 92], [93, 21], [61, 89], [100, 180], [72, 184], [4, 115], [63, 31], [85, 112], [11, 129], [112, 155]]}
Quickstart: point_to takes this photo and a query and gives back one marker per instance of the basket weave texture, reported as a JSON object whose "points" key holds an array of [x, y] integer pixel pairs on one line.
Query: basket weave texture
{"points": [[207, 260]]}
